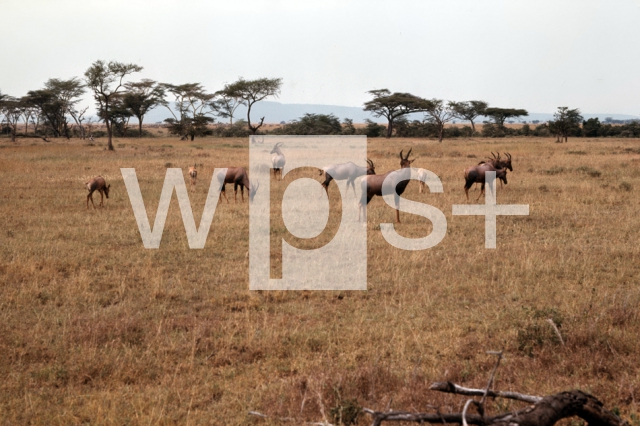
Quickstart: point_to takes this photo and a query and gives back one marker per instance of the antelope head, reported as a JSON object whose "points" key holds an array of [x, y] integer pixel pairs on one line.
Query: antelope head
{"points": [[106, 190], [371, 170], [404, 161], [276, 148], [507, 162]]}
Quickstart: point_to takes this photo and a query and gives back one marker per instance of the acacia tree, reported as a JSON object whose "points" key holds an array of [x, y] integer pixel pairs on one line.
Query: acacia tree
{"points": [[106, 82], [392, 106], [58, 99], [469, 110], [225, 105], [499, 115], [193, 106], [565, 121], [142, 97], [439, 113], [248, 92], [11, 110]]}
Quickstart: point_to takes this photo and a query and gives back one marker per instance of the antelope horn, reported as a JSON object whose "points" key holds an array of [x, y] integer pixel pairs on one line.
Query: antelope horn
{"points": [[408, 154], [493, 155], [401, 157]]}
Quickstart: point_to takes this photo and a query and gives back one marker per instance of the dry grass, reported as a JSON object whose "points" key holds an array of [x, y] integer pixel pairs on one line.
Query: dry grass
{"points": [[96, 329]]}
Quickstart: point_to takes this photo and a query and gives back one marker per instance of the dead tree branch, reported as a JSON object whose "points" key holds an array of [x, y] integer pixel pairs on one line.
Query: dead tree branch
{"points": [[545, 412]]}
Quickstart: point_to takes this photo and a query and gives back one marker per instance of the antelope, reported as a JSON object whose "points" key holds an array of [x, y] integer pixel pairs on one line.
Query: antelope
{"points": [[422, 176], [497, 163], [193, 173], [348, 171], [97, 184], [371, 185], [278, 161], [475, 174], [237, 176]]}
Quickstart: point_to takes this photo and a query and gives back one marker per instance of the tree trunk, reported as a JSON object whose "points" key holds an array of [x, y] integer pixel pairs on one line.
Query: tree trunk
{"points": [[193, 136], [253, 131], [109, 143], [139, 127], [390, 129], [440, 132], [473, 128]]}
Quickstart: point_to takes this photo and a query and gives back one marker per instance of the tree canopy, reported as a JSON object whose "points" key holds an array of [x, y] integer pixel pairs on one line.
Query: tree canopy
{"points": [[565, 121], [499, 115], [469, 110], [193, 109], [105, 80], [393, 105], [141, 97], [248, 92]]}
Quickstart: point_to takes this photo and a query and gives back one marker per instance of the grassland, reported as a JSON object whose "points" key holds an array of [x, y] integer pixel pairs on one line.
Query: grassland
{"points": [[94, 329]]}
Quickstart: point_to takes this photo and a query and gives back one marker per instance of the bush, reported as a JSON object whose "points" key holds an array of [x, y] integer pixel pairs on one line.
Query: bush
{"points": [[372, 130], [312, 124], [238, 129], [415, 129]]}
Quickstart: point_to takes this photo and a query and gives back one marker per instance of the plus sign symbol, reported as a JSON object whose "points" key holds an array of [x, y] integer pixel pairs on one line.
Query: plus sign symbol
{"points": [[490, 210]]}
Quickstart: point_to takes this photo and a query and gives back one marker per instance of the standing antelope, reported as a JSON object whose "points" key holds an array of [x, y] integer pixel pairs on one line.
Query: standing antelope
{"points": [[97, 184], [475, 174], [422, 177], [237, 176], [347, 171], [497, 163], [278, 161], [193, 173], [372, 185]]}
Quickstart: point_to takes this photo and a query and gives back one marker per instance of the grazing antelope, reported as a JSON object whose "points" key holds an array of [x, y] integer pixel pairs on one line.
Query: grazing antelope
{"points": [[278, 161], [497, 163], [348, 171], [237, 176], [475, 174], [372, 185], [193, 173], [97, 184]]}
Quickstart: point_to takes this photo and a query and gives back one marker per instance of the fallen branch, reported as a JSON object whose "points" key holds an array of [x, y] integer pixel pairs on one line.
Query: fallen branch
{"points": [[453, 388], [545, 412]]}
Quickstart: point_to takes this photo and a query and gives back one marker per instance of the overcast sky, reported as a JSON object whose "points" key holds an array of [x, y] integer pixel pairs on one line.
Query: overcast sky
{"points": [[536, 55]]}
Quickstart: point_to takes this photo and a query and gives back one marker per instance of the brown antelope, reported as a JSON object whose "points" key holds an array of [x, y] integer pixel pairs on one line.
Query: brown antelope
{"points": [[371, 185], [237, 176], [193, 173], [277, 161], [497, 163], [475, 174], [97, 184], [348, 171]]}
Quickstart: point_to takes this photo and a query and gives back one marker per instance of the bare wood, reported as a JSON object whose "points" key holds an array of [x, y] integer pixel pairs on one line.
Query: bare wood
{"points": [[493, 374], [545, 412], [555, 328], [449, 387]]}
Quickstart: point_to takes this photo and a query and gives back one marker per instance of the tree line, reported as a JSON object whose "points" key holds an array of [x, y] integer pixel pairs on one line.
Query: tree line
{"points": [[53, 111]]}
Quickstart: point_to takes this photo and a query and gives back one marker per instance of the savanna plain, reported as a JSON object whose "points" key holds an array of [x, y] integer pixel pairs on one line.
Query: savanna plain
{"points": [[96, 329]]}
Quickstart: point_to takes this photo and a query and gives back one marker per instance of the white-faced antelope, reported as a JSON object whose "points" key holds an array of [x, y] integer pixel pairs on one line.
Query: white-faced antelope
{"points": [[193, 174], [372, 185], [476, 174], [277, 161], [348, 171], [237, 176], [97, 184]]}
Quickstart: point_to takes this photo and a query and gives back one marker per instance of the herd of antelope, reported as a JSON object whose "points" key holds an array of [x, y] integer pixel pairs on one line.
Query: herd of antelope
{"points": [[371, 183]]}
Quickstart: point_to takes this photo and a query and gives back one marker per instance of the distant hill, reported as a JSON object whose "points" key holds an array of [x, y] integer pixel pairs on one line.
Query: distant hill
{"points": [[276, 112]]}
